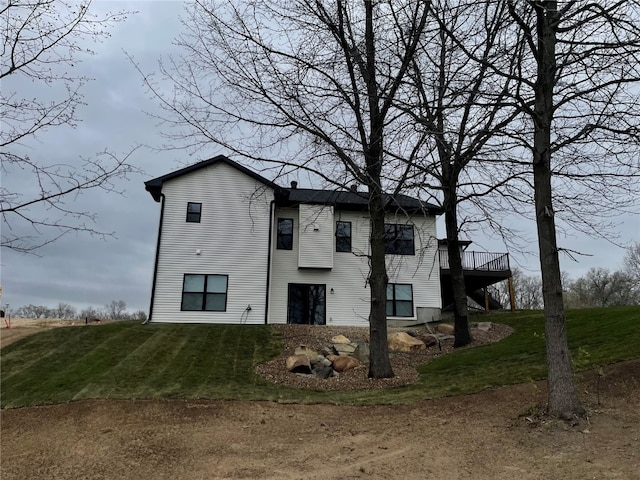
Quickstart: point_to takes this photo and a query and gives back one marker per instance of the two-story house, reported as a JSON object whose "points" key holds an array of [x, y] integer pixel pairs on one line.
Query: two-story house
{"points": [[235, 247]]}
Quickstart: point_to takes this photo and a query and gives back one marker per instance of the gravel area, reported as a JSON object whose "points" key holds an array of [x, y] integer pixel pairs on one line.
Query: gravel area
{"points": [[404, 364]]}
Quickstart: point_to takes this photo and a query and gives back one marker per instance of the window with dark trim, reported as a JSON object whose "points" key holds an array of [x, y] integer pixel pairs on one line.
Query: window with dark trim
{"points": [[285, 234], [398, 239], [399, 300], [204, 293], [194, 211], [343, 236]]}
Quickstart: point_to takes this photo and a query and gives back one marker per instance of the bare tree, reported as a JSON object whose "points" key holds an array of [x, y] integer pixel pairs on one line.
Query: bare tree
{"points": [[116, 309], [42, 42], [92, 313], [527, 291], [632, 264], [65, 311], [309, 82], [34, 311], [459, 109], [600, 287], [575, 86]]}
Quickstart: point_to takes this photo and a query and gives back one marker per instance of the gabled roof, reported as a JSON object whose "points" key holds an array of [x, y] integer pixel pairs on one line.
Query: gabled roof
{"points": [[154, 186], [341, 199]]}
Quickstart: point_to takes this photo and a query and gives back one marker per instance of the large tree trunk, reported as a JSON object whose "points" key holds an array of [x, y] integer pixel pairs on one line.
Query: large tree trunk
{"points": [[460, 310], [379, 362], [563, 399]]}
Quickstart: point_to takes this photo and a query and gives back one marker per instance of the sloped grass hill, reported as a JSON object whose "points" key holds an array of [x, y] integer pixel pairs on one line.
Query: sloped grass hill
{"points": [[130, 360]]}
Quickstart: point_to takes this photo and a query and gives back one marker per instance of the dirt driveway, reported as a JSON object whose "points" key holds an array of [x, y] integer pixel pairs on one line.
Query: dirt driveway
{"points": [[491, 435], [479, 436]]}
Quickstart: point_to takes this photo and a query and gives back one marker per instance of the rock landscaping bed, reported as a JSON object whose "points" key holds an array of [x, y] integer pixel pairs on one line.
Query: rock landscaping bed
{"points": [[301, 339]]}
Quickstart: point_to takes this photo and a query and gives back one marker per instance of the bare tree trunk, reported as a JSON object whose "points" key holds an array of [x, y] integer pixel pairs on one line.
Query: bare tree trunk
{"points": [[460, 310], [563, 399], [379, 362]]}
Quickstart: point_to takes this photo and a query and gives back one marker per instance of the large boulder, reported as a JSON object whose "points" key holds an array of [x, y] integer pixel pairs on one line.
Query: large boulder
{"points": [[445, 329], [362, 352], [403, 342], [342, 363], [345, 348], [298, 364], [320, 361], [323, 371]]}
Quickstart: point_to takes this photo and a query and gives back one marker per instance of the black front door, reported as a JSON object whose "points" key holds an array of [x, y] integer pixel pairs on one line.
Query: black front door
{"points": [[306, 304]]}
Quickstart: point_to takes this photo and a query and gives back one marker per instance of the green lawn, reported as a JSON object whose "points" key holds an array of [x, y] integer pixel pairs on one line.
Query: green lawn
{"points": [[130, 360]]}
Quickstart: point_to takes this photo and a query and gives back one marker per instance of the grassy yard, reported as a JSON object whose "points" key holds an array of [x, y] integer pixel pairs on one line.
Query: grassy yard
{"points": [[130, 360]]}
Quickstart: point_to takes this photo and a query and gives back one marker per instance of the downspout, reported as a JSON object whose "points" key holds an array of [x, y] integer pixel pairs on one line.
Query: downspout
{"points": [[266, 306], [155, 265]]}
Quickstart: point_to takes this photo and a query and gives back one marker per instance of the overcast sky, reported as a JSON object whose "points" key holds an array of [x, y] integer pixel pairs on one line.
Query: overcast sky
{"points": [[84, 270]]}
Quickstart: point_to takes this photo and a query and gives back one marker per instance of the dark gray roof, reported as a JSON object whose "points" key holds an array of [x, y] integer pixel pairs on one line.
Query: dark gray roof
{"points": [[341, 199], [352, 200]]}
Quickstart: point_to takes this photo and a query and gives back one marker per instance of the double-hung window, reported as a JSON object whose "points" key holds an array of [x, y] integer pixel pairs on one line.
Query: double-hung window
{"points": [[194, 211], [399, 300], [285, 234], [398, 239], [343, 236], [204, 293]]}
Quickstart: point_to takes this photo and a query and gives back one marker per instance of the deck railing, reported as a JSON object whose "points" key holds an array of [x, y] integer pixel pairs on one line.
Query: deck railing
{"points": [[482, 261]]}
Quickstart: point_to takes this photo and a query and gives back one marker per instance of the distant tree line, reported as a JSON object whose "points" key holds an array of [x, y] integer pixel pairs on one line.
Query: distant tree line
{"points": [[114, 310], [599, 287]]}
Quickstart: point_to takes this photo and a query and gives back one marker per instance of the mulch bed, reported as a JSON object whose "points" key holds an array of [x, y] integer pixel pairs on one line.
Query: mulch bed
{"points": [[404, 364]]}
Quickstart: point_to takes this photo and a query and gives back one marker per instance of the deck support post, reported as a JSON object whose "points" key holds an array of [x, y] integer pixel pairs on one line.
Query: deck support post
{"points": [[512, 295]]}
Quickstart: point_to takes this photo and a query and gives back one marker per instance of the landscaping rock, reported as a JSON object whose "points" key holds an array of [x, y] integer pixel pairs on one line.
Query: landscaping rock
{"points": [[362, 352], [340, 339], [321, 360], [323, 371], [445, 329], [327, 351], [298, 364], [342, 363], [345, 348], [304, 350], [403, 342], [484, 326]]}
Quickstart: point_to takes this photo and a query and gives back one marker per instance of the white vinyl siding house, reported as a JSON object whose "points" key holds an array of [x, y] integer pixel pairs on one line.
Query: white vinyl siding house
{"points": [[347, 298], [231, 239], [347, 292], [234, 247]]}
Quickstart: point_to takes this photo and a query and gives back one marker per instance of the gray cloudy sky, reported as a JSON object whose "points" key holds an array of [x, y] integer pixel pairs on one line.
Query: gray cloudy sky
{"points": [[83, 270]]}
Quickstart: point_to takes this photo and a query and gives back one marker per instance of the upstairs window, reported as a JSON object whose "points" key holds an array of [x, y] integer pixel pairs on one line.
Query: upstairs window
{"points": [[204, 293], [285, 234], [399, 300], [398, 239], [193, 212], [343, 236]]}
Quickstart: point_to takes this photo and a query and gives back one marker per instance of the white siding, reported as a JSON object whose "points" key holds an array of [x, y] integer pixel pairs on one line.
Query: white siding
{"points": [[349, 302], [316, 233], [421, 270], [232, 238]]}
